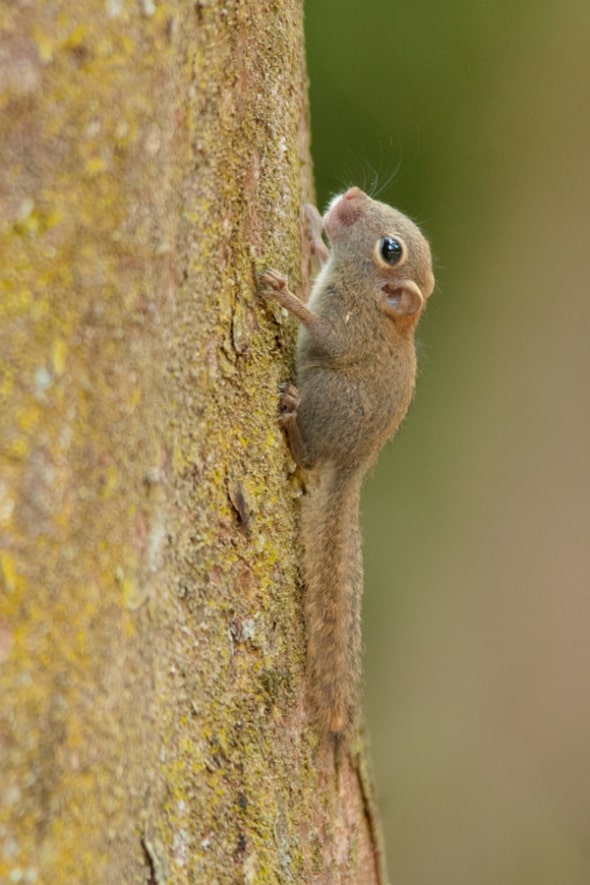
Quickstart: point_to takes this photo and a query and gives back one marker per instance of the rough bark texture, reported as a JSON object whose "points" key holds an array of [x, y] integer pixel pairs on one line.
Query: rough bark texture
{"points": [[154, 723]]}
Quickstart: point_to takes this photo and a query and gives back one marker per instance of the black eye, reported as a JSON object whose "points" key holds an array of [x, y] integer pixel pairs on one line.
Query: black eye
{"points": [[390, 250]]}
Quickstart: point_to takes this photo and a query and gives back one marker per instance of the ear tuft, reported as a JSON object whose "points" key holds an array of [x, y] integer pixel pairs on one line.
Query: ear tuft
{"points": [[403, 299]]}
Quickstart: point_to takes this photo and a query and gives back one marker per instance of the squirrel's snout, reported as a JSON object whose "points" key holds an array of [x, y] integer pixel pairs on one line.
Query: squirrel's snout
{"points": [[352, 192]]}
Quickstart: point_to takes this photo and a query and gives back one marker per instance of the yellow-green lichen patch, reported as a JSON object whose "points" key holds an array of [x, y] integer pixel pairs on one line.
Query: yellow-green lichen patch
{"points": [[8, 570]]}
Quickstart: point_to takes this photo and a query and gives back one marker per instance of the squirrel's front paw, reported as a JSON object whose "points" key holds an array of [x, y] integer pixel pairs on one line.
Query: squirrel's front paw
{"points": [[272, 279]]}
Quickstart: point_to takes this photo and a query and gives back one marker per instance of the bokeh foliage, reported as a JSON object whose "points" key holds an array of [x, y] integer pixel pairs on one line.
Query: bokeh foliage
{"points": [[477, 519]]}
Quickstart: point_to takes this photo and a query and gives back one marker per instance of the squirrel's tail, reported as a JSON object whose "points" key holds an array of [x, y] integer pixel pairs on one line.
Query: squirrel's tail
{"points": [[333, 574]]}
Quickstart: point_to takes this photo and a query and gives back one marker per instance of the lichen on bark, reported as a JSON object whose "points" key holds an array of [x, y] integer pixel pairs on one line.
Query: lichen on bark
{"points": [[154, 724]]}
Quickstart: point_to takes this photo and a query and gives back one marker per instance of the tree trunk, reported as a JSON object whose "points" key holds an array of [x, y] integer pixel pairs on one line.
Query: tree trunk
{"points": [[154, 724]]}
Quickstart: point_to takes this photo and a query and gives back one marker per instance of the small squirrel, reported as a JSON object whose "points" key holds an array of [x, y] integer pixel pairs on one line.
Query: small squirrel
{"points": [[356, 369]]}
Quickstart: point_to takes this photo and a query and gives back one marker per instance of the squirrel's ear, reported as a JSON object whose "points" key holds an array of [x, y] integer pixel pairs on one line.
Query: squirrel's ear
{"points": [[402, 299]]}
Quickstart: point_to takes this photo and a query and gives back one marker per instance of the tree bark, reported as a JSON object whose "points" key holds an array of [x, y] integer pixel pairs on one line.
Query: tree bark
{"points": [[154, 723]]}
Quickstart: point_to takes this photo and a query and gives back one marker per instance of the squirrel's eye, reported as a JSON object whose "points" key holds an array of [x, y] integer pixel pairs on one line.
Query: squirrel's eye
{"points": [[391, 250]]}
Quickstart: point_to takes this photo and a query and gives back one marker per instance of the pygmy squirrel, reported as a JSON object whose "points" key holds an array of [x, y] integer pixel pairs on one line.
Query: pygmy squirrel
{"points": [[356, 368]]}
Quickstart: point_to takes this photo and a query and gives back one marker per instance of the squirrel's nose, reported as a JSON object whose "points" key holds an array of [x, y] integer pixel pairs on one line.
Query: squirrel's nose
{"points": [[352, 192]]}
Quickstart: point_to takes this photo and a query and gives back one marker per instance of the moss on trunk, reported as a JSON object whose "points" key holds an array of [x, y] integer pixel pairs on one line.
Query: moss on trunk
{"points": [[154, 719]]}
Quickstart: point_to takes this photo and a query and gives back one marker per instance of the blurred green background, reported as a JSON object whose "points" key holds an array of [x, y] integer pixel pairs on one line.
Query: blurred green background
{"points": [[477, 519]]}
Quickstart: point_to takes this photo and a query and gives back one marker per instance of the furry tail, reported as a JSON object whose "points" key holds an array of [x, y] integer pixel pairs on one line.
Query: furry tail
{"points": [[333, 572]]}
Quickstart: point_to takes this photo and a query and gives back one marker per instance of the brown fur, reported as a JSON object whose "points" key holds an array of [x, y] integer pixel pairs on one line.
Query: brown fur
{"points": [[356, 369]]}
